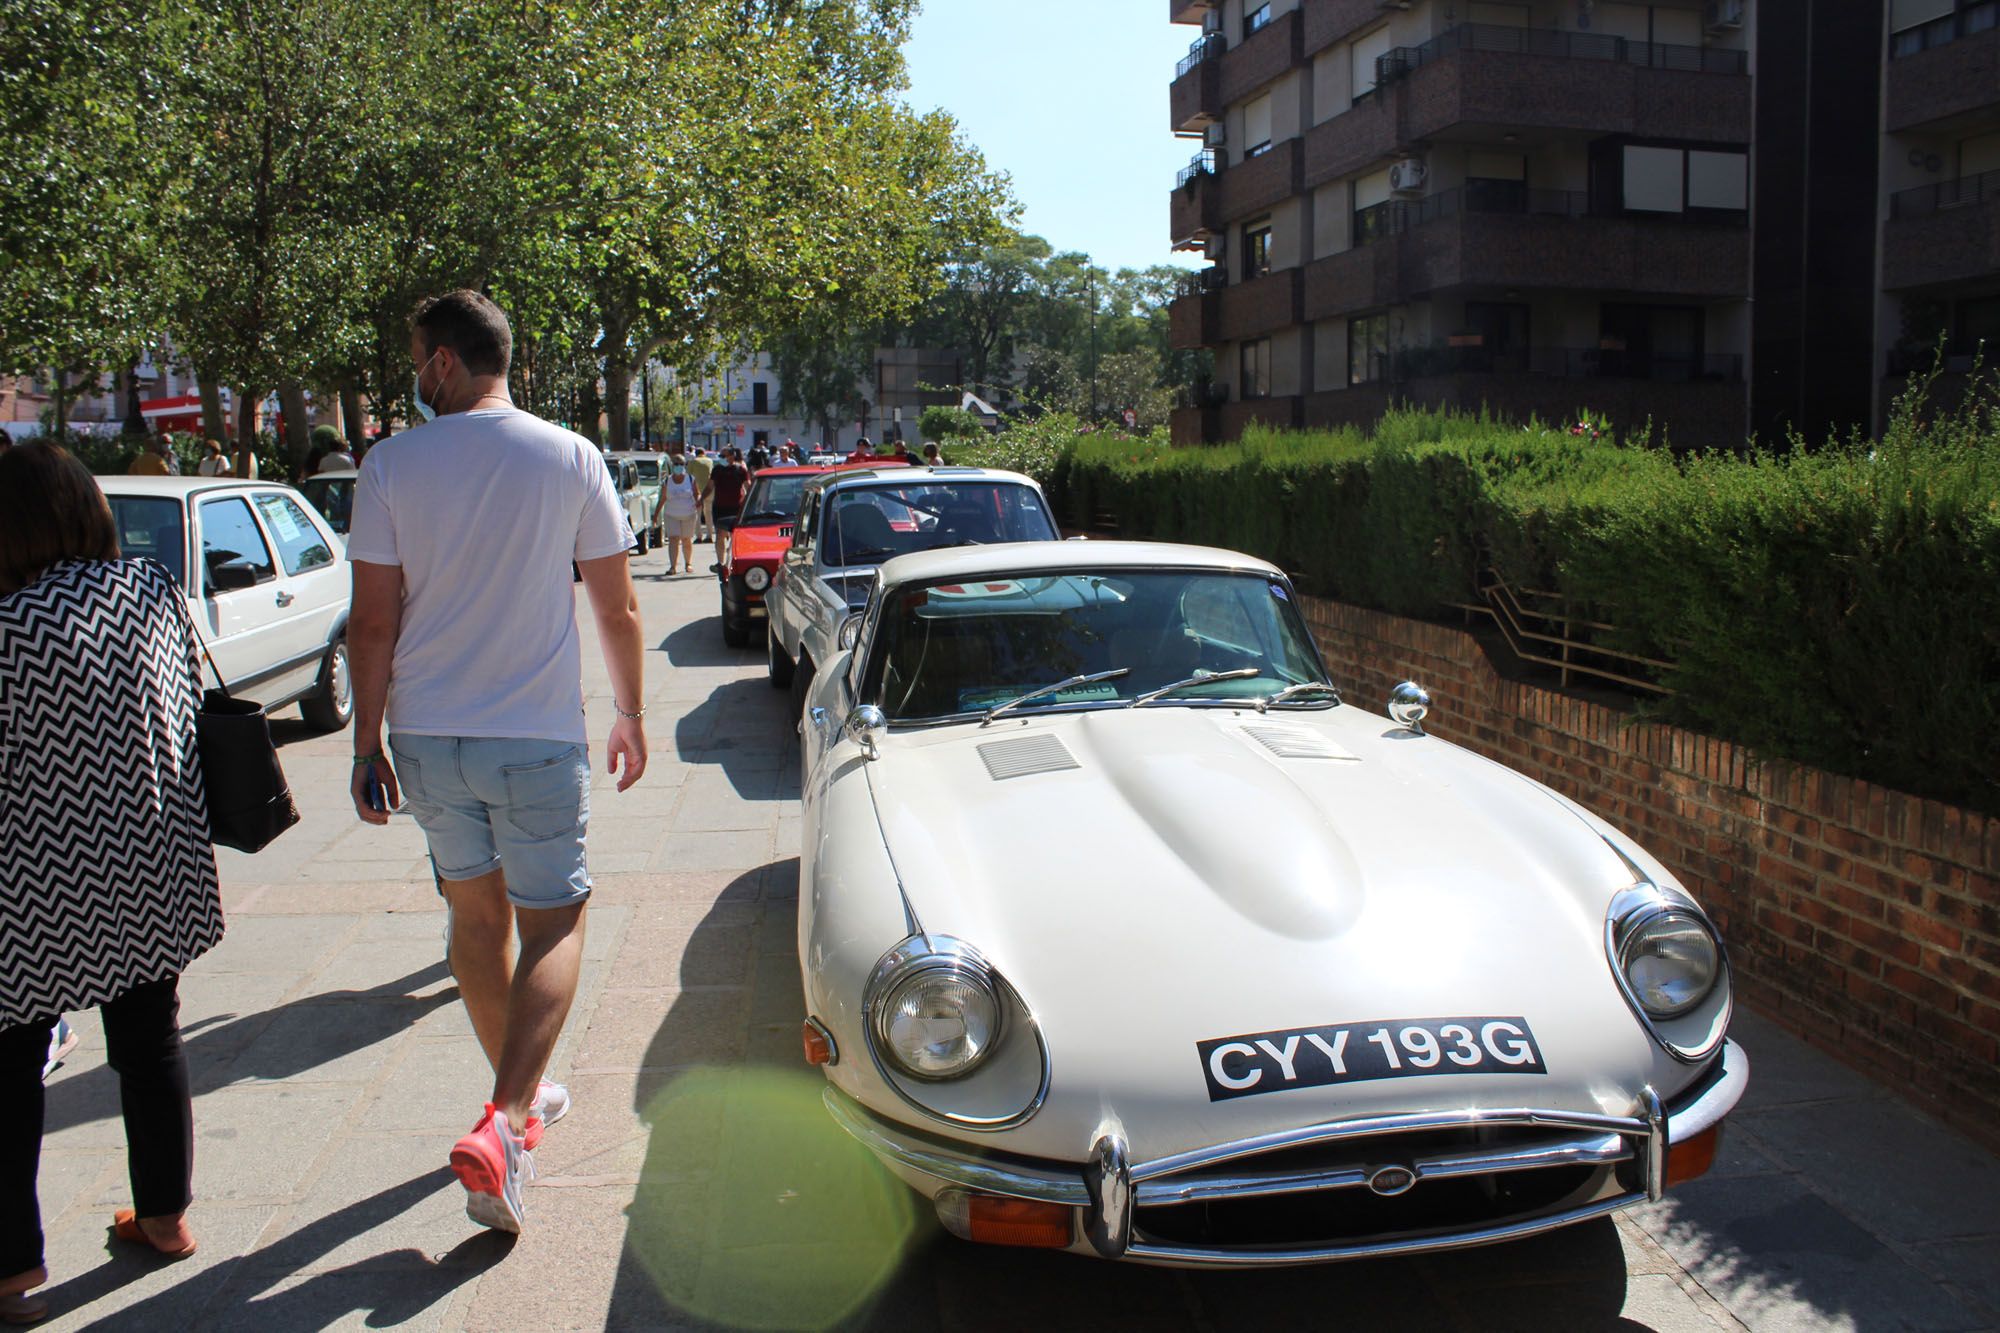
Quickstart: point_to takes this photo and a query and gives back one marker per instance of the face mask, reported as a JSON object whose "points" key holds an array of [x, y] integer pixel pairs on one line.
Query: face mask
{"points": [[424, 409]]}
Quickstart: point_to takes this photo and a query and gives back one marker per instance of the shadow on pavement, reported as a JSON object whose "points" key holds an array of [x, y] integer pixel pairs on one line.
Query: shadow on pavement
{"points": [[755, 1210], [390, 1288], [744, 728], [699, 644], [268, 1046]]}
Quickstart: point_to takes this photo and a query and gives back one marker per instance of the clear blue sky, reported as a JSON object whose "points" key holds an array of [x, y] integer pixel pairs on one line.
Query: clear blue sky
{"points": [[1069, 98]]}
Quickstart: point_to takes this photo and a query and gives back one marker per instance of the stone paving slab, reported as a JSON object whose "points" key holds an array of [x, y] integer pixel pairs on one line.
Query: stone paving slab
{"points": [[698, 1182]]}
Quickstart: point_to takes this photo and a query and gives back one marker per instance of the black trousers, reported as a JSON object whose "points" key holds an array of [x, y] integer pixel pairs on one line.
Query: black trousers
{"points": [[142, 1037]]}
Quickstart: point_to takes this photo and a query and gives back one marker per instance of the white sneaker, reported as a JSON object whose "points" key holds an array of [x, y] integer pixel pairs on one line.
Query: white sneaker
{"points": [[493, 1163], [550, 1105]]}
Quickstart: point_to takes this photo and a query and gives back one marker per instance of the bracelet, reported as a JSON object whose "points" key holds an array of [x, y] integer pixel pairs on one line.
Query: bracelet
{"points": [[375, 758], [622, 713]]}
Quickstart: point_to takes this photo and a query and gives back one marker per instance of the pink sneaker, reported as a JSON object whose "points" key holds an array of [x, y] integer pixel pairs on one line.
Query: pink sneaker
{"points": [[492, 1162]]}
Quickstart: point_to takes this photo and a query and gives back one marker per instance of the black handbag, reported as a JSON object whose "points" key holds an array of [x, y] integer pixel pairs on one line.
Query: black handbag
{"points": [[249, 801]]}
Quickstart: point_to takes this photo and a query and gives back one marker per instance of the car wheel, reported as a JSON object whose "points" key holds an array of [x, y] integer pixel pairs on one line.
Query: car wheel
{"points": [[331, 706], [776, 660]]}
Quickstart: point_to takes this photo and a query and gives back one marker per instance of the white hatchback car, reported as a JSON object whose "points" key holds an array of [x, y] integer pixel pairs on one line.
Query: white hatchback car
{"points": [[264, 575]]}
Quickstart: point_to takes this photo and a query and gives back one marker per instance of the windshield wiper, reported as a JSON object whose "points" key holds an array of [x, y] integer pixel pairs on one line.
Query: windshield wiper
{"points": [[863, 555], [1198, 678], [1056, 688], [1294, 691]]}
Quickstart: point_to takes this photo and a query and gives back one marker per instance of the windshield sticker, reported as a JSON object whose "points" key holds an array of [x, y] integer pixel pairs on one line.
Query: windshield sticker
{"points": [[1260, 1062], [280, 516], [1278, 591]]}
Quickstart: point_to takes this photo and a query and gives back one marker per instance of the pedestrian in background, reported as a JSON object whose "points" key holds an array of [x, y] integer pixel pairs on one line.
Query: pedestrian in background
{"points": [[214, 463], [336, 460], [463, 640], [724, 498], [700, 467], [156, 458], [107, 878], [678, 505]]}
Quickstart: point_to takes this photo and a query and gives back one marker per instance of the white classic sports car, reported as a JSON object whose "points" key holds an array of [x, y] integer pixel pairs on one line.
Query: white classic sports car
{"points": [[1122, 933]]}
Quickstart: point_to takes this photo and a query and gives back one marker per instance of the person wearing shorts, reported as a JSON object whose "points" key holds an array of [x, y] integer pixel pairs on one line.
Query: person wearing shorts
{"points": [[463, 642], [723, 497], [677, 515]]}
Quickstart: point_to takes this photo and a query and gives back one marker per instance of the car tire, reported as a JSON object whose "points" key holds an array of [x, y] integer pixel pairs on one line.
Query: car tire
{"points": [[776, 660], [735, 632], [331, 706]]}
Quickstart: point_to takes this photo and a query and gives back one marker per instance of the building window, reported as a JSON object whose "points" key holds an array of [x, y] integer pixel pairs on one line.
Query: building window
{"points": [[1374, 210], [760, 398], [1256, 249], [1256, 20], [1654, 178], [1257, 126], [1650, 342], [1368, 349], [1254, 377], [1367, 51]]}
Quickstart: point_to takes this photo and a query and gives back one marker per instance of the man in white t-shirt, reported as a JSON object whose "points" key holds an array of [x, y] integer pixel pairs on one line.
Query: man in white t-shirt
{"points": [[463, 638]]}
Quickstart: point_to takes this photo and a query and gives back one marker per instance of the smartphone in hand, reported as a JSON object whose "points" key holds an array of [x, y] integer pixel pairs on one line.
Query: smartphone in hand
{"points": [[373, 793]]}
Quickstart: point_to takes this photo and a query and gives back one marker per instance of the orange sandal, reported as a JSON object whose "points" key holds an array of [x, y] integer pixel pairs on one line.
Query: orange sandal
{"points": [[125, 1226]]}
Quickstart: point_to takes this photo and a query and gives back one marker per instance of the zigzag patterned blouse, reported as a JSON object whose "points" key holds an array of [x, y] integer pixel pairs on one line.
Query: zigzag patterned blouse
{"points": [[107, 877]]}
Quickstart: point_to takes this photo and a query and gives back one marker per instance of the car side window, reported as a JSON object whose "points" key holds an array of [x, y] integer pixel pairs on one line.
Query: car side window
{"points": [[802, 534], [300, 545], [229, 536]]}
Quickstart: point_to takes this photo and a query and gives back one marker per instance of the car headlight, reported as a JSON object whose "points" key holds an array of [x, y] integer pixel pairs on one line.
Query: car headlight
{"points": [[938, 1019], [756, 578], [1669, 958]]}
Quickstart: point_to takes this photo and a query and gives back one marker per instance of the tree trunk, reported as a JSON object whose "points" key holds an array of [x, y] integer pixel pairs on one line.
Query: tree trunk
{"points": [[246, 430], [58, 405], [298, 428], [590, 411], [213, 424], [353, 419], [618, 403], [135, 416]]}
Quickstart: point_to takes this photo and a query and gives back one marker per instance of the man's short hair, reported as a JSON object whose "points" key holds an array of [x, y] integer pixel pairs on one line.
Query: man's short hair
{"points": [[469, 324]]}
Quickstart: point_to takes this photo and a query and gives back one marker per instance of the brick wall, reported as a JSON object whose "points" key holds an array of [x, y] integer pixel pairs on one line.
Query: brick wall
{"points": [[1866, 920]]}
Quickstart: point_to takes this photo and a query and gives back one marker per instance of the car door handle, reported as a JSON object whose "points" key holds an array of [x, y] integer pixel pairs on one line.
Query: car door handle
{"points": [[286, 599]]}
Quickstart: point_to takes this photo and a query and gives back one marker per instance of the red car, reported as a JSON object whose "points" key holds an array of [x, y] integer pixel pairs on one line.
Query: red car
{"points": [[761, 537]]}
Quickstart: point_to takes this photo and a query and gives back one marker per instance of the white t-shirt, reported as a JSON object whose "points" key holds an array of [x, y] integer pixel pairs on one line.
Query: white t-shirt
{"points": [[336, 461], [484, 512], [677, 499]]}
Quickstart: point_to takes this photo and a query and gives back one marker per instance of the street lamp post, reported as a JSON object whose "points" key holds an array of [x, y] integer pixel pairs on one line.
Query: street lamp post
{"points": [[646, 405], [1090, 286]]}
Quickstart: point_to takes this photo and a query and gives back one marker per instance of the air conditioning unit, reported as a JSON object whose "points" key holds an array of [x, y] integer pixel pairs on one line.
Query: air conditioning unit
{"points": [[1408, 176], [1723, 15], [1215, 135], [1217, 245], [1211, 21]]}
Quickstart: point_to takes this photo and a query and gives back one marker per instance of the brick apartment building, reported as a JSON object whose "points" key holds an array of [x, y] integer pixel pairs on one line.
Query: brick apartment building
{"points": [[1725, 215]]}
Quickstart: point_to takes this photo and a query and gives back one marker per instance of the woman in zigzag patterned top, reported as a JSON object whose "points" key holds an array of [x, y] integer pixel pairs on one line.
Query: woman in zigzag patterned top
{"points": [[107, 877]]}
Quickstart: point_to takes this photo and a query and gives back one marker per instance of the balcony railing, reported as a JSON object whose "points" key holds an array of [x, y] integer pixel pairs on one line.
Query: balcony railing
{"points": [[1964, 192], [1942, 31], [1956, 357], [1392, 217], [1558, 363], [1196, 282], [1206, 47], [1201, 164], [1395, 63], [1208, 393]]}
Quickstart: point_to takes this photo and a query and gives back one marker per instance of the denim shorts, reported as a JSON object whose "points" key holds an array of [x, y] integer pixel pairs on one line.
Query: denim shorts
{"points": [[519, 805]]}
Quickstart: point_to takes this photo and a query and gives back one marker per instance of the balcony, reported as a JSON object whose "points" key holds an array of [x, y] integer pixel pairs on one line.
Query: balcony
{"points": [[1564, 363], [1195, 99], [1945, 69], [1330, 21], [1207, 197], [1211, 310], [1691, 413], [1261, 57], [1513, 237], [1943, 233], [1188, 11]]}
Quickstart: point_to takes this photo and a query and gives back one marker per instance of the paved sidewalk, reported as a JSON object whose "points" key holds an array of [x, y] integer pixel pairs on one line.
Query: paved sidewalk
{"points": [[698, 1182]]}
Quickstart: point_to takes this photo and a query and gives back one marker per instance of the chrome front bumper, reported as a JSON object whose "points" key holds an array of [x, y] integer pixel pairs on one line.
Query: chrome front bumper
{"points": [[1107, 1189]]}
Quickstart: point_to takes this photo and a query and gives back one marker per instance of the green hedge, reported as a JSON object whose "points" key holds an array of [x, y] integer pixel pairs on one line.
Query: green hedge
{"points": [[1839, 607]]}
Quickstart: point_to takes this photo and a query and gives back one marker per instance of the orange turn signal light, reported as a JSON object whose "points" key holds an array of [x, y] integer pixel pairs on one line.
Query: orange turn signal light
{"points": [[994, 1219], [818, 1043], [1691, 1158]]}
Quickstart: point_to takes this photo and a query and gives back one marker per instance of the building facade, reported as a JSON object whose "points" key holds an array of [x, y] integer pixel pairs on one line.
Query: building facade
{"points": [[1657, 211]]}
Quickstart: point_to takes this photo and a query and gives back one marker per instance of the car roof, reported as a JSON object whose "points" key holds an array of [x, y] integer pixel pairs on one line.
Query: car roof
{"points": [[336, 474], [639, 453], [971, 562], [177, 487], [790, 470], [918, 475]]}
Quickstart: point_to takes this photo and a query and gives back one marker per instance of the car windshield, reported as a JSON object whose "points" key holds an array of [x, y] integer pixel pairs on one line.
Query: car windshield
{"points": [[150, 526], [333, 497], [870, 524], [956, 649], [774, 499]]}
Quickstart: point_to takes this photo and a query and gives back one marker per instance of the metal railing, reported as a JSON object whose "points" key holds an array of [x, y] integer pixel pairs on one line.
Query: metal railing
{"points": [[1549, 630], [1206, 47], [1392, 217], [1407, 363], [1197, 281], [1208, 393], [1394, 64], [1942, 31], [1983, 188], [1201, 164], [1955, 357]]}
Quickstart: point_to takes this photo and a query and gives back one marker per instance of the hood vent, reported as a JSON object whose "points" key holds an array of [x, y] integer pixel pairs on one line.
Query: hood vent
{"points": [[1289, 742], [1019, 757]]}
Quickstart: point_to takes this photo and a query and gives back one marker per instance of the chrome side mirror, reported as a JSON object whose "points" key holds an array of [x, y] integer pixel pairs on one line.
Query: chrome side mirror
{"points": [[863, 725], [1409, 704], [850, 632]]}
